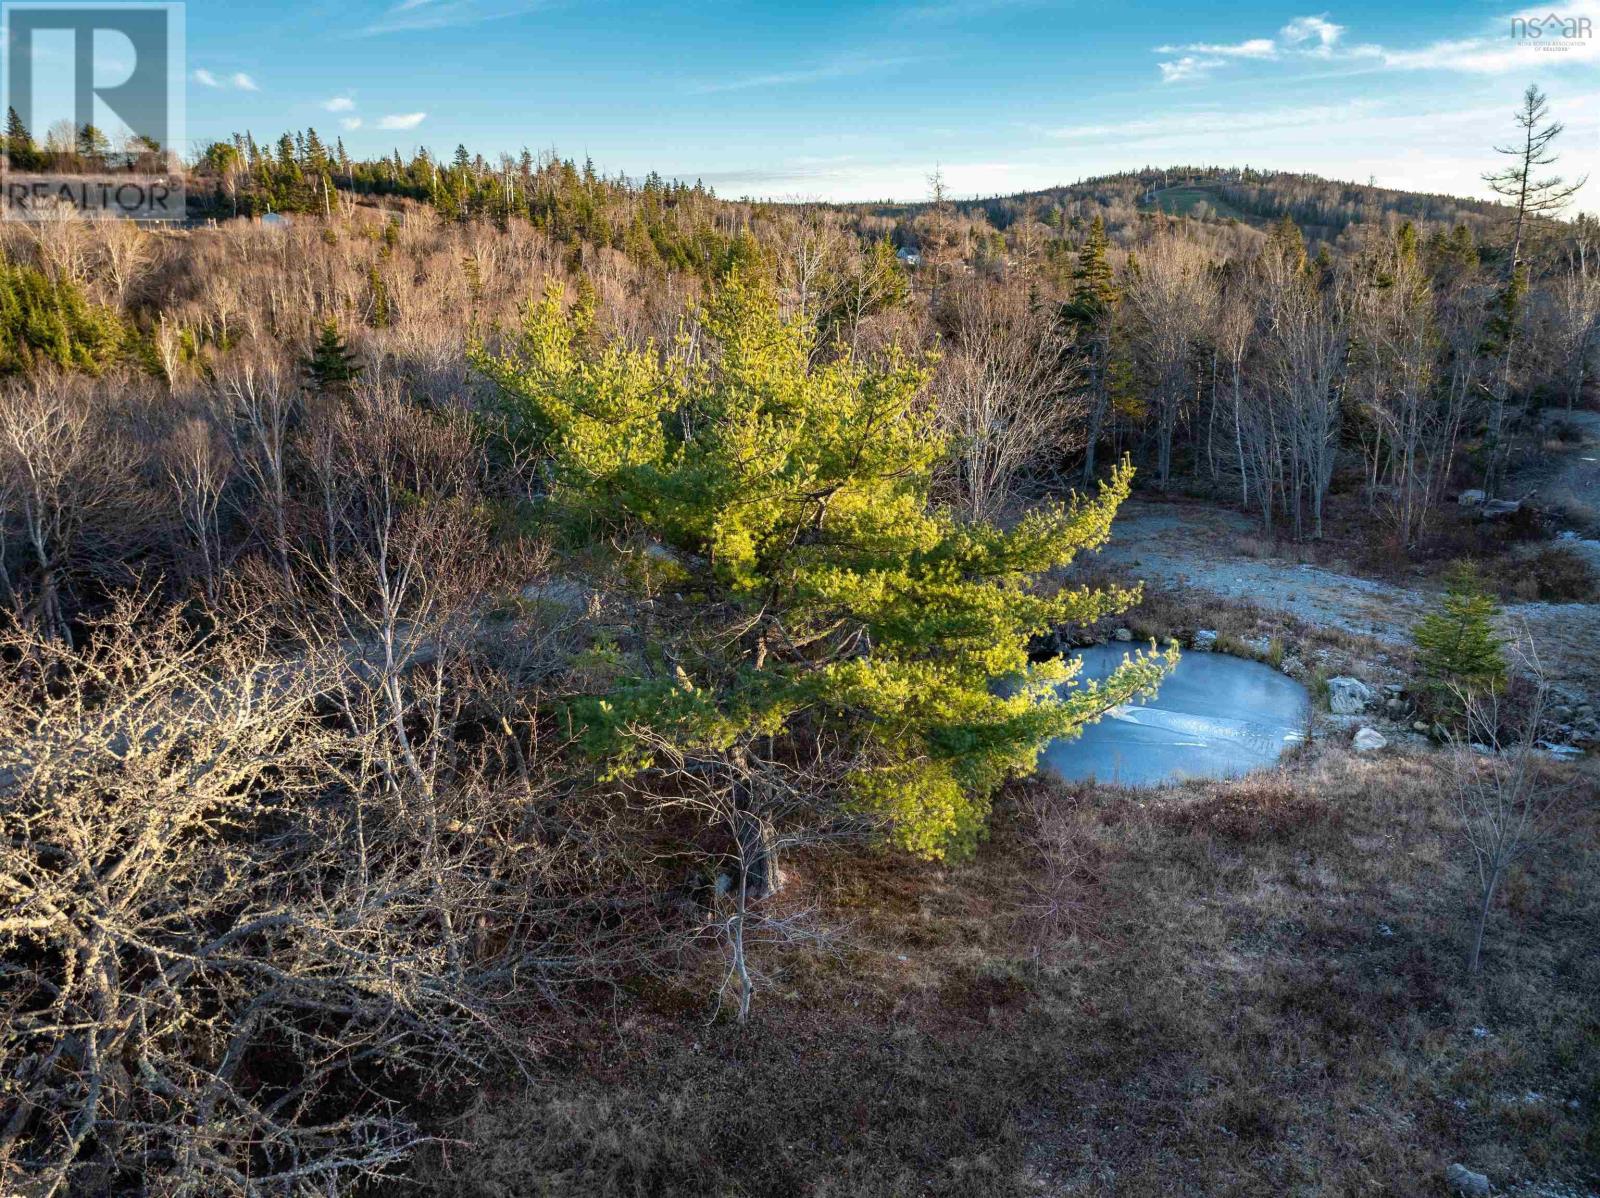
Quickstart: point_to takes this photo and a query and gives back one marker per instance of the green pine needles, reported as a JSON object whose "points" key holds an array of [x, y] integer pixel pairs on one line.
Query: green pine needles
{"points": [[48, 322], [1457, 646], [825, 599], [331, 368]]}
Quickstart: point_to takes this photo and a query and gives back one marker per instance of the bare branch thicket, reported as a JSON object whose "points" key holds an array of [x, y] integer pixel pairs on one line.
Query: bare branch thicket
{"points": [[238, 940], [1004, 395], [160, 803], [1054, 909], [69, 489], [259, 902]]}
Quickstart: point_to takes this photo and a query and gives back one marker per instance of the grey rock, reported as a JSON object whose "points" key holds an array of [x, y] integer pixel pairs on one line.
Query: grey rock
{"points": [[1494, 509], [1463, 1180], [559, 592], [1471, 498], [1204, 639], [1396, 707], [1348, 696], [1419, 725], [1122, 634], [1369, 740]]}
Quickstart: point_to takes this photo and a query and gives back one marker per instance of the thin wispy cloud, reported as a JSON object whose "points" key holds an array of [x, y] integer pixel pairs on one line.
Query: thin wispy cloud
{"points": [[410, 16], [349, 123], [340, 104], [1256, 47], [838, 69], [1304, 37], [238, 81], [402, 120]]}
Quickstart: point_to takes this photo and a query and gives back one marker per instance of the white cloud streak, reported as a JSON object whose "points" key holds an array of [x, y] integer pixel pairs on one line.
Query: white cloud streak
{"points": [[238, 81], [410, 16], [1187, 67]]}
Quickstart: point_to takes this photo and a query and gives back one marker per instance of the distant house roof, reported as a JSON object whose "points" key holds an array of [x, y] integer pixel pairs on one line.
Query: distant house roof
{"points": [[909, 256], [275, 220]]}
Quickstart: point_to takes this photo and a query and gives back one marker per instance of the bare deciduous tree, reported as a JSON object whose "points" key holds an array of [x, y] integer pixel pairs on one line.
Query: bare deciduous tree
{"points": [[1004, 395], [62, 475], [1171, 300], [198, 465], [264, 404], [1503, 798]]}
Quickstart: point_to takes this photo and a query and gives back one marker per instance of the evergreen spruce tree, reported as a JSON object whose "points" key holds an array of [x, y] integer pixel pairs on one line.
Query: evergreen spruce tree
{"points": [[93, 144], [331, 368], [1094, 286], [1088, 313], [1457, 647], [1288, 242], [19, 146], [805, 589], [380, 297]]}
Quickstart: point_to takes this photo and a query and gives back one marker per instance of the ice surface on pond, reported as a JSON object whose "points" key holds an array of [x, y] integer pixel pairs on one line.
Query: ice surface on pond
{"points": [[1215, 716]]}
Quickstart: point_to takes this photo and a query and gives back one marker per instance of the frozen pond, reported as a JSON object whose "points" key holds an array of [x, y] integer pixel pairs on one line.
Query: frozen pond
{"points": [[1215, 716]]}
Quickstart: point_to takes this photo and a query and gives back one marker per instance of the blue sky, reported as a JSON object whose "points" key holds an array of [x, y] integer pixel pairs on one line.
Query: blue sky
{"points": [[862, 100]]}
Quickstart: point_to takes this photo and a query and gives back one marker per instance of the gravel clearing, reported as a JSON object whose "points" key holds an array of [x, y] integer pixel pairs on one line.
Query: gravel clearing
{"points": [[1194, 546]]}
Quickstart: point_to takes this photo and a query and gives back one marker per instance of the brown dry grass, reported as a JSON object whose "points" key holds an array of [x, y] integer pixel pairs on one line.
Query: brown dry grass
{"points": [[1259, 991]]}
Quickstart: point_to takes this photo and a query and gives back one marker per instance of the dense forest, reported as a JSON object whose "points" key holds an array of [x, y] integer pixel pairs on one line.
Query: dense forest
{"points": [[483, 604]]}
